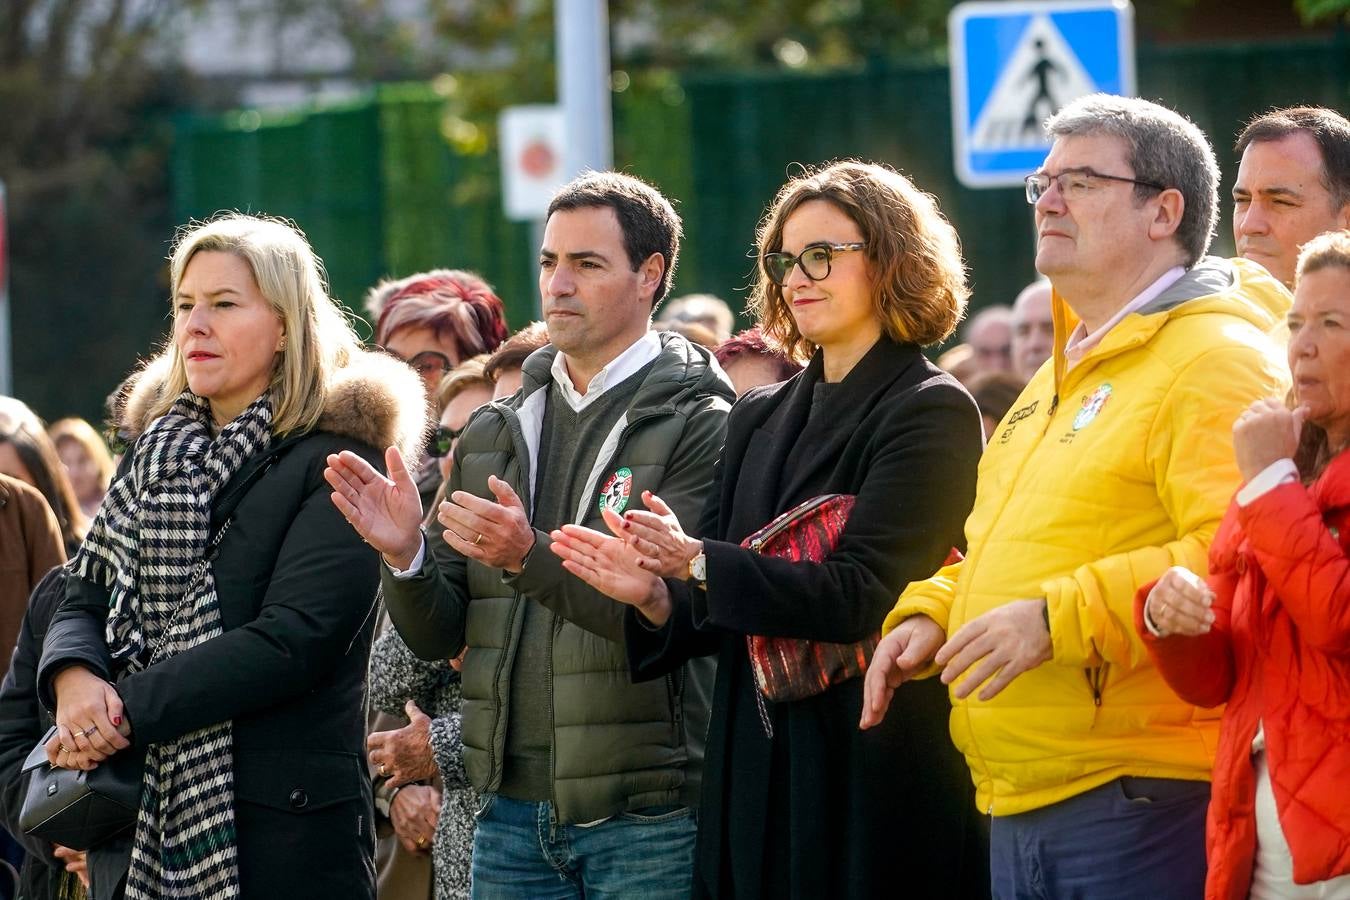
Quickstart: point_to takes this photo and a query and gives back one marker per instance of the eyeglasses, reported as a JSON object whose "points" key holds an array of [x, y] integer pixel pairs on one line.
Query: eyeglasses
{"points": [[814, 260], [443, 440], [1074, 184], [428, 363]]}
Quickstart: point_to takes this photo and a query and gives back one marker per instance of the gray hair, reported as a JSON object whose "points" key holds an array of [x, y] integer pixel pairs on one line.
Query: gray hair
{"points": [[1163, 147]]}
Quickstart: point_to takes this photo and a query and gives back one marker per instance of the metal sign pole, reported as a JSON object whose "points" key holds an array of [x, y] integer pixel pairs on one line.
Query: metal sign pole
{"points": [[582, 28]]}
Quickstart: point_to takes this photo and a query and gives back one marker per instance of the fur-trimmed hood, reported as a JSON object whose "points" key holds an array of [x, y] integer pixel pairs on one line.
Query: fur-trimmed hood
{"points": [[374, 399]]}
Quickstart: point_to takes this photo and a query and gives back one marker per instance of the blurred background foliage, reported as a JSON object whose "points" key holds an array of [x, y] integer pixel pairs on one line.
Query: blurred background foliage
{"points": [[111, 137]]}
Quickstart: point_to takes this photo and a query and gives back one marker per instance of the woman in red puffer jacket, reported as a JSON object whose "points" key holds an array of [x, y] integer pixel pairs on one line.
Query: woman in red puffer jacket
{"points": [[1269, 632]]}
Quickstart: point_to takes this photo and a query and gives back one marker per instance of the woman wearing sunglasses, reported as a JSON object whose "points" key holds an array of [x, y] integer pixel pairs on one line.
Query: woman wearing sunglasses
{"points": [[858, 270]]}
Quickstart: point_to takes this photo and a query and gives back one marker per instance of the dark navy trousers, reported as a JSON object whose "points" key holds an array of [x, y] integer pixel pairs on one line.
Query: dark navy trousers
{"points": [[1130, 839]]}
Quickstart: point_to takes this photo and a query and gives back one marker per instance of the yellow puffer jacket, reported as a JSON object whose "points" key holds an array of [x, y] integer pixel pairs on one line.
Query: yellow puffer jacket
{"points": [[1095, 483]]}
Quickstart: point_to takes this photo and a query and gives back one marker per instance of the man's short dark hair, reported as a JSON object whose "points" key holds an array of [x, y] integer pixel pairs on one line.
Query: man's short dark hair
{"points": [[1327, 127], [648, 222]]}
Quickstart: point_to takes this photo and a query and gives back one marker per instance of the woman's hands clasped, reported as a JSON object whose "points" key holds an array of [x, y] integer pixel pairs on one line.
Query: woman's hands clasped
{"points": [[629, 566], [90, 725], [663, 547]]}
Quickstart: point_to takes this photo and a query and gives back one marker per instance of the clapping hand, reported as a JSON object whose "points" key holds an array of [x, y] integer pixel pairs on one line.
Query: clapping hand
{"points": [[613, 568], [496, 534], [663, 547], [386, 512]]}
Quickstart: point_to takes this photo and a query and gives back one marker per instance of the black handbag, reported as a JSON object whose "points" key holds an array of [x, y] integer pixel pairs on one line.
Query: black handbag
{"points": [[80, 809]]}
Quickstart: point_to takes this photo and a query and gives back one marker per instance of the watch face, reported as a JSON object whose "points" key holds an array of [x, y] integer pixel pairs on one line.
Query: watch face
{"points": [[698, 567]]}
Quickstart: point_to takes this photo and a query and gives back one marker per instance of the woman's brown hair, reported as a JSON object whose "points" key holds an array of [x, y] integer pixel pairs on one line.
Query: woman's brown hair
{"points": [[1326, 251], [913, 254]]}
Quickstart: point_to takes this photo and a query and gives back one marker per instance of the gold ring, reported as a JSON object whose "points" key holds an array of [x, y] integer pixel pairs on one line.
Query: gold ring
{"points": [[478, 540], [421, 841], [383, 771]]}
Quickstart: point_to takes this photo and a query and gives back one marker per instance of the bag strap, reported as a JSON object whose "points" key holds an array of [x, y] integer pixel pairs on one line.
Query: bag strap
{"points": [[229, 503]]}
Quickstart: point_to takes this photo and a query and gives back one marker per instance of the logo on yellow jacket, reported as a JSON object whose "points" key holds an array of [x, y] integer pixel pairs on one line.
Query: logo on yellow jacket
{"points": [[1092, 405]]}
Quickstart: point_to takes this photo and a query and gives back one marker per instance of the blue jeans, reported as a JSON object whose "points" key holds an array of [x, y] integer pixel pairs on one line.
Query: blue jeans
{"points": [[1130, 838], [517, 853]]}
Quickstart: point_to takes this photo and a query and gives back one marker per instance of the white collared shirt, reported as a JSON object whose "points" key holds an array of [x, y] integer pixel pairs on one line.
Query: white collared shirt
{"points": [[639, 353], [1080, 341]]}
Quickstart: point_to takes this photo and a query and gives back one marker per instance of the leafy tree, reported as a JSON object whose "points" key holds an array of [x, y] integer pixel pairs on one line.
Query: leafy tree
{"points": [[1322, 10], [83, 155]]}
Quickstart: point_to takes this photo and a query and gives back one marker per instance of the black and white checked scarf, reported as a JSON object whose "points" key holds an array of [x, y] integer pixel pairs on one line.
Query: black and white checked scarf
{"points": [[147, 545]]}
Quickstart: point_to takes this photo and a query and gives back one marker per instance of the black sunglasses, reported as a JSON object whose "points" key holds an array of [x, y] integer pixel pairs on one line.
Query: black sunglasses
{"points": [[443, 439]]}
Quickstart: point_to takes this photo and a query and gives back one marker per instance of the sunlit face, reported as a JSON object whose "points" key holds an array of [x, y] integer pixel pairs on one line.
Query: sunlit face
{"points": [[1319, 350], [430, 354], [1280, 202], [595, 305], [1102, 230], [837, 309], [226, 331], [456, 415], [81, 468], [12, 465]]}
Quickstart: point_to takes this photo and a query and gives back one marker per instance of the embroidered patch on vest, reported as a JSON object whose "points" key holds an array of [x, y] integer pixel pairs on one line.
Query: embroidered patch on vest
{"points": [[616, 490], [1092, 405]]}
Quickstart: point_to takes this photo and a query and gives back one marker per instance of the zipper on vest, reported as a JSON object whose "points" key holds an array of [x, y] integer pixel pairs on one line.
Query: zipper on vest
{"points": [[502, 705], [553, 738]]}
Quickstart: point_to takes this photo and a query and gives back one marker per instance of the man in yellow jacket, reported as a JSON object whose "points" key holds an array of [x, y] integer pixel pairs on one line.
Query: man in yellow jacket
{"points": [[1114, 464]]}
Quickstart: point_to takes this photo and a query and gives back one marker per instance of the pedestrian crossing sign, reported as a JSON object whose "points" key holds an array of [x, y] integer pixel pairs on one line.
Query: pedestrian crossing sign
{"points": [[1014, 64]]}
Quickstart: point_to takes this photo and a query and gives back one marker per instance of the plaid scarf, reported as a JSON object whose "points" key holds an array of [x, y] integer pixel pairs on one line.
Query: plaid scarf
{"points": [[148, 546]]}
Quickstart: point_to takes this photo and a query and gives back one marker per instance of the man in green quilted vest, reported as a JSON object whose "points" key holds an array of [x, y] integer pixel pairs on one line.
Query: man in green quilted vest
{"points": [[589, 782]]}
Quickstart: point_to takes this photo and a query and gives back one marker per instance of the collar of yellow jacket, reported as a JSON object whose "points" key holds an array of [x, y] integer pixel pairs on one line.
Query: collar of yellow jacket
{"points": [[1238, 287]]}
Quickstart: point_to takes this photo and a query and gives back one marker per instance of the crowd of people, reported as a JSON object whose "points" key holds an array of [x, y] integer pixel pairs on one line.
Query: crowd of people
{"points": [[626, 604]]}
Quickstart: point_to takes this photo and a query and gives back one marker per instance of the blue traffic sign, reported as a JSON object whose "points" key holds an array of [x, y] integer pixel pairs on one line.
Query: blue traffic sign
{"points": [[1015, 64]]}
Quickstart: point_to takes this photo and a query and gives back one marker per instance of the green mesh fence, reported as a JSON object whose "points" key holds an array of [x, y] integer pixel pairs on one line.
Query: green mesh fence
{"points": [[381, 191]]}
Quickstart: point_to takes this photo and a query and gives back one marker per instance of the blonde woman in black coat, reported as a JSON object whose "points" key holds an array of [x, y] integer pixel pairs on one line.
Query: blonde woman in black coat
{"points": [[858, 269], [218, 617]]}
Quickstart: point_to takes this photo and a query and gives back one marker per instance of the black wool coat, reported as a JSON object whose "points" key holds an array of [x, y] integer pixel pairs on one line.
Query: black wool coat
{"points": [[297, 597], [23, 722], [822, 809]]}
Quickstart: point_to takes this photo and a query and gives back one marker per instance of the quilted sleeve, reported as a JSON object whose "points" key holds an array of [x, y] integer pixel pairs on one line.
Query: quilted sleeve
{"points": [[1304, 563]]}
